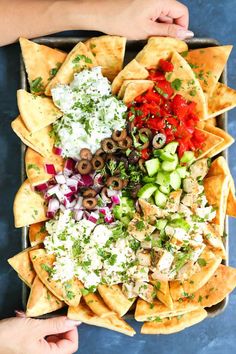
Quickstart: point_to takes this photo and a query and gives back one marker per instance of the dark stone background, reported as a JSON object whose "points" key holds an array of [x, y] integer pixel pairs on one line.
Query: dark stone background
{"points": [[212, 18]]}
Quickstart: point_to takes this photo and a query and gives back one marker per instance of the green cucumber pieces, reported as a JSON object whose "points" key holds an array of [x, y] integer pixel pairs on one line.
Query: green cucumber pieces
{"points": [[152, 166], [163, 178], [147, 191], [160, 198], [175, 180], [171, 147], [187, 157], [170, 166]]}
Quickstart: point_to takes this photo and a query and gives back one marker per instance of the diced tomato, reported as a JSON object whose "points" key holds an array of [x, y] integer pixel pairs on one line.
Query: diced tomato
{"points": [[155, 75], [165, 86], [145, 154], [165, 65]]}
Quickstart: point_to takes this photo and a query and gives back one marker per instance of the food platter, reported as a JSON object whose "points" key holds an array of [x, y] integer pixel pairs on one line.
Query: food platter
{"points": [[169, 218]]}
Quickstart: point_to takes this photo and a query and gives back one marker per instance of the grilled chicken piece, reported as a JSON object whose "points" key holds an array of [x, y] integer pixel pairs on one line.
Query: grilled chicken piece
{"points": [[139, 228], [190, 185], [199, 168], [145, 291], [144, 258], [128, 290], [173, 201], [151, 212]]}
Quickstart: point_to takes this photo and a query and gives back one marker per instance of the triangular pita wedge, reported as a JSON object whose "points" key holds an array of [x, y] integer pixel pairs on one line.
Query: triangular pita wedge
{"points": [[211, 142], [22, 264], [37, 233], [109, 52], [130, 89], [227, 139], [69, 292], [208, 64], [198, 279], [35, 166], [190, 87], [217, 288], [174, 324], [222, 100], [83, 313], [133, 70], [97, 305], [145, 312], [41, 301], [115, 299], [217, 191], [159, 48], [40, 141], [220, 166], [40, 61], [162, 292], [36, 112], [28, 207], [79, 58]]}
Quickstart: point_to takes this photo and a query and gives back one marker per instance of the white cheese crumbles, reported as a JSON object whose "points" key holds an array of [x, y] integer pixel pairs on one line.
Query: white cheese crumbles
{"points": [[93, 253], [91, 113]]}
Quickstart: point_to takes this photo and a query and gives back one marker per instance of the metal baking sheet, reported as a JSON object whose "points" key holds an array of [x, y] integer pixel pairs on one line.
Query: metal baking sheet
{"points": [[132, 48]]}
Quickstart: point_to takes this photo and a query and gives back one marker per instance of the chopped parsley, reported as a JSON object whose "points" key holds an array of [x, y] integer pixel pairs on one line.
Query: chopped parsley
{"points": [[176, 84], [202, 262], [36, 85], [82, 57]]}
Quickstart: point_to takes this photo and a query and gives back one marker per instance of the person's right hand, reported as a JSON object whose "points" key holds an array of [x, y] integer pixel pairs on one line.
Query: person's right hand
{"points": [[140, 19], [22, 335]]}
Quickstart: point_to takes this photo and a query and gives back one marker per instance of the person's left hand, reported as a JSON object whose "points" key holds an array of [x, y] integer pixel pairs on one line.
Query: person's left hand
{"points": [[23, 335]]}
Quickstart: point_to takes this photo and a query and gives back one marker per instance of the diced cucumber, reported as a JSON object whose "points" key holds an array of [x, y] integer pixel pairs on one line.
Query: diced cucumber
{"points": [[171, 147], [152, 166], [147, 190], [163, 178], [160, 198], [175, 180], [164, 189], [170, 166], [182, 171], [161, 224], [187, 157], [157, 152], [147, 179], [167, 156]]}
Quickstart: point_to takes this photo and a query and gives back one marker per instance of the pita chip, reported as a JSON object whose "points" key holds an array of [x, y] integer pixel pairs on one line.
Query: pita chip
{"points": [[130, 89], [37, 233], [211, 142]]}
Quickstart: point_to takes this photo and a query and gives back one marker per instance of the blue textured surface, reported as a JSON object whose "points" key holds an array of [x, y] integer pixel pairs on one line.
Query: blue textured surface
{"points": [[212, 18]]}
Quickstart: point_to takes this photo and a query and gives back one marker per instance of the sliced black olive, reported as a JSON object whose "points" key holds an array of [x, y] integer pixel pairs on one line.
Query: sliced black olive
{"points": [[98, 162], [143, 140], [119, 135], [130, 127], [115, 183], [89, 193], [146, 132], [134, 190], [84, 167], [109, 145], [101, 153], [133, 157], [159, 140], [126, 143], [86, 154], [89, 203], [141, 163]]}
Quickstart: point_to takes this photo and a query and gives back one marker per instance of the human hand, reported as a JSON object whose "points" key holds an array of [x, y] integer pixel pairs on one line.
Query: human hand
{"points": [[140, 19], [23, 335]]}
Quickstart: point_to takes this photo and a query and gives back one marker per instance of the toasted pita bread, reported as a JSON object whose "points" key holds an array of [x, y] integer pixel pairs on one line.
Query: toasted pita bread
{"points": [[37, 233], [40, 61], [145, 312], [174, 324], [69, 292], [97, 305], [163, 292], [198, 279], [208, 64], [133, 70], [22, 264], [227, 139], [130, 89], [40, 141], [115, 299], [41, 301], [217, 288], [36, 112], [211, 142], [79, 58], [83, 313], [35, 166], [219, 167], [109, 52], [159, 48], [222, 100], [217, 191], [28, 206], [190, 87]]}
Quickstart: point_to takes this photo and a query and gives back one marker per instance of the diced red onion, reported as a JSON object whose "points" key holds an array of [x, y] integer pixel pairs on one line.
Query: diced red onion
{"points": [[78, 204], [93, 217], [66, 203], [108, 219], [50, 169], [98, 182], [105, 197], [112, 192], [78, 214], [60, 178], [65, 189], [72, 183], [85, 181], [52, 190], [41, 187], [57, 150], [115, 199], [69, 166], [53, 207]]}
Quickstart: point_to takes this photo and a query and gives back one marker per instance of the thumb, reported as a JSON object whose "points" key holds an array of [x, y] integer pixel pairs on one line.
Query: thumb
{"points": [[170, 30], [55, 325]]}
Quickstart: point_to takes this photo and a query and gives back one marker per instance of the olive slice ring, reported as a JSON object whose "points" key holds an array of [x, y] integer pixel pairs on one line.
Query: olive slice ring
{"points": [[125, 143], [109, 145], [84, 167], [119, 135], [89, 193], [89, 203], [86, 154], [115, 183], [97, 162], [159, 140]]}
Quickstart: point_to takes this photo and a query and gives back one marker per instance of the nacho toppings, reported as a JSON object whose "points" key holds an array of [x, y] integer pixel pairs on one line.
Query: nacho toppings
{"points": [[91, 113]]}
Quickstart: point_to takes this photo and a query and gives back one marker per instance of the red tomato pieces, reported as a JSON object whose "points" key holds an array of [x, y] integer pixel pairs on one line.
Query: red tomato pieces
{"points": [[159, 110]]}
